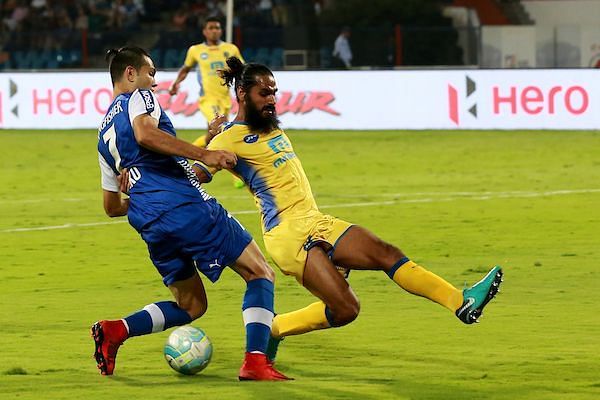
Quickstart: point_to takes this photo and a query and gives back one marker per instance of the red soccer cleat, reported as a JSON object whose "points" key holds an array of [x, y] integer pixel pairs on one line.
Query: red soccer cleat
{"points": [[108, 336], [256, 367]]}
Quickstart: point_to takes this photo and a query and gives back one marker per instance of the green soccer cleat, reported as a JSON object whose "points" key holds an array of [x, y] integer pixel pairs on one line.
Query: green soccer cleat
{"points": [[478, 295], [272, 349]]}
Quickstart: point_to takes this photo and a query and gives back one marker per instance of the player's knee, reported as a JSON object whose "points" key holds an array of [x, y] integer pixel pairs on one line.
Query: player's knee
{"points": [[347, 312], [195, 308], [263, 271], [386, 254]]}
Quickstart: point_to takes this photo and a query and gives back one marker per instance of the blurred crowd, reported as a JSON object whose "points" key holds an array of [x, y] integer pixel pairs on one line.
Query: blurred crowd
{"points": [[27, 15], [53, 24], [97, 15], [190, 14]]}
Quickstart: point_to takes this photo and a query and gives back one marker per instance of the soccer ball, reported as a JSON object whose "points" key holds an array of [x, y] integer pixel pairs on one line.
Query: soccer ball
{"points": [[188, 350]]}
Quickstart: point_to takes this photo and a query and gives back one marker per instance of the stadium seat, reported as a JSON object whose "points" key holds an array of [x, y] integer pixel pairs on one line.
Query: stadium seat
{"points": [[276, 59]]}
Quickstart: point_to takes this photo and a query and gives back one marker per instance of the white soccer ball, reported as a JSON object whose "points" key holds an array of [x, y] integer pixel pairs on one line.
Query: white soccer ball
{"points": [[188, 350]]}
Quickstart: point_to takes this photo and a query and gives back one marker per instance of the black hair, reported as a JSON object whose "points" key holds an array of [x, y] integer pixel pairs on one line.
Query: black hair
{"points": [[243, 75], [210, 19], [119, 59]]}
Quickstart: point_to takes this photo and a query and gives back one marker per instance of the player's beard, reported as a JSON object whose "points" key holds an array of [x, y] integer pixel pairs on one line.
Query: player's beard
{"points": [[257, 121]]}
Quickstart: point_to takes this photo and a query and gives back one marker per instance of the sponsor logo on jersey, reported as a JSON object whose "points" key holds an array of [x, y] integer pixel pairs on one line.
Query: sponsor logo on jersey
{"points": [[281, 160], [217, 65], [279, 144], [148, 100], [252, 138], [191, 175]]}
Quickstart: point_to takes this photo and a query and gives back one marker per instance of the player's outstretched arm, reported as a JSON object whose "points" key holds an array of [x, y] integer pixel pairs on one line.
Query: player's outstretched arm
{"points": [[148, 135], [181, 75]]}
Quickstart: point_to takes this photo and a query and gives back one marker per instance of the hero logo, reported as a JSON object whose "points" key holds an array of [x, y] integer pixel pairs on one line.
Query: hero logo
{"points": [[453, 100], [528, 100]]}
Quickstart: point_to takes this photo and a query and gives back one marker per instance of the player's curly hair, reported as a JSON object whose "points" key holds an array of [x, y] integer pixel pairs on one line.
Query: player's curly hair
{"points": [[119, 59], [242, 75]]}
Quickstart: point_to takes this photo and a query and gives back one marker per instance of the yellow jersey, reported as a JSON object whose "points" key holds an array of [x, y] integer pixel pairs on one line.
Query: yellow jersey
{"points": [[210, 59], [272, 172]]}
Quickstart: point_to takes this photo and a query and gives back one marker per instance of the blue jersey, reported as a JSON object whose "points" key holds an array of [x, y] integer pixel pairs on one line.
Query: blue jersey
{"points": [[159, 182]]}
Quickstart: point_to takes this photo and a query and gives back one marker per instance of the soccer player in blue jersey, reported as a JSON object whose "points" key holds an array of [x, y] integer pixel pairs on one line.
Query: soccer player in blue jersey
{"points": [[306, 243], [185, 229]]}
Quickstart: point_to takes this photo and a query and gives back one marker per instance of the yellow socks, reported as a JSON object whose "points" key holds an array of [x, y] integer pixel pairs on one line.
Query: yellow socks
{"points": [[417, 280], [408, 275], [306, 319]]}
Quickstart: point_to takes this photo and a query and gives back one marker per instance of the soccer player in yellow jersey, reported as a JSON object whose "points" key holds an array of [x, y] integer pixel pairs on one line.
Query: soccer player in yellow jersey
{"points": [[209, 57], [306, 243]]}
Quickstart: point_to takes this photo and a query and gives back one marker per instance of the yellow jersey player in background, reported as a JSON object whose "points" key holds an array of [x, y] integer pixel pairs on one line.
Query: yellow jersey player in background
{"points": [[306, 243], [209, 57]]}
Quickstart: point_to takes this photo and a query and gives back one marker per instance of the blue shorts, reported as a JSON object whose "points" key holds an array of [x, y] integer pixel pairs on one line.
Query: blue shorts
{"points": [[195, 235]]}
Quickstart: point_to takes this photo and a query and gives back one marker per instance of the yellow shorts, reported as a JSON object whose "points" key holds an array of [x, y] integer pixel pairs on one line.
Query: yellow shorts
{"points": [[288, 243], [209, 106]]}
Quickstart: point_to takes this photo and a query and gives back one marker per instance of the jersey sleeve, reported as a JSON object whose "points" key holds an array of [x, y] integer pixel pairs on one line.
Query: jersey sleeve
{"points": [[219, 142], [238, 54], [109, 179], [143, 101], [190, 60]]}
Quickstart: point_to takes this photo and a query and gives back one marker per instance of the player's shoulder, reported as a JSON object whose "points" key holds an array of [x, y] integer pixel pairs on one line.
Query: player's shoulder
{"points": [[197, 48], [234, 132], [233, 128], [229, 47], [143, 101], [145, 96]]}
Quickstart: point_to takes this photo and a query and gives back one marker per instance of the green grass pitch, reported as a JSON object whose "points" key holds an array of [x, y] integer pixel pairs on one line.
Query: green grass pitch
{"points": [[456, 202]]}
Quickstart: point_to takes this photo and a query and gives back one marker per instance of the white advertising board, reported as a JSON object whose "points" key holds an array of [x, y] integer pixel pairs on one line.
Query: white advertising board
{"points": [[433, 99]]}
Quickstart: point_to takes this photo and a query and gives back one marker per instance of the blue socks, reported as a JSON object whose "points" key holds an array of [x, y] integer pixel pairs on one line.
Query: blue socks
{"points": [[257, 311], [156, 317]]}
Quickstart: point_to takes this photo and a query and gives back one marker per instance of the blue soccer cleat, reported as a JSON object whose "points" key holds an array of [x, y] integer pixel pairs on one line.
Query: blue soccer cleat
{"points": [[478, 295]]}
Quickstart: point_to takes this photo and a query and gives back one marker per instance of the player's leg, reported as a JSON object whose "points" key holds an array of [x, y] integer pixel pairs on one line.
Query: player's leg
{"points": [[179, 274], [234, 247], [361, 249], [207, 108], [257, 312], [109, 335], [299, 248], [338, 306]]}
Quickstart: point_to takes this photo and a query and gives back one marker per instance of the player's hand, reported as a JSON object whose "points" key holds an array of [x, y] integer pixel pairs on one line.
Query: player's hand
{"points": [[214, 126], [173, 89], [124, 181], [219, 159]]}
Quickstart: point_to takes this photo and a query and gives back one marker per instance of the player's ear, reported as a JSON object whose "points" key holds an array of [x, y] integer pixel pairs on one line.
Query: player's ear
{"points": [[241, 93], [130, 73]]}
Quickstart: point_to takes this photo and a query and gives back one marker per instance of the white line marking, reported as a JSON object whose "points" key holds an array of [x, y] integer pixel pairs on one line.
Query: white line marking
{"points": [[452, 196]]}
